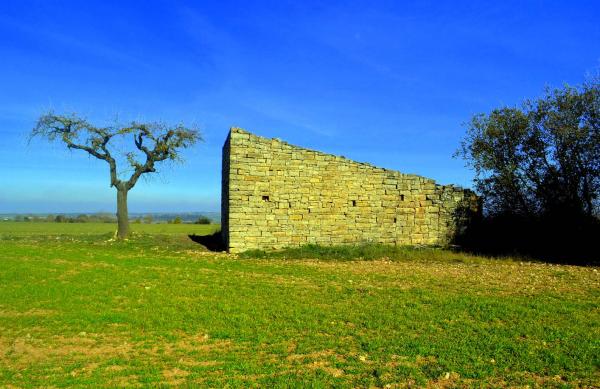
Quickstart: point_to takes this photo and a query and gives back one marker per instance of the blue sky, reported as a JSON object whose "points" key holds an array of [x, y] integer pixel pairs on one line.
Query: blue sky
{"points": [[385, 82]]}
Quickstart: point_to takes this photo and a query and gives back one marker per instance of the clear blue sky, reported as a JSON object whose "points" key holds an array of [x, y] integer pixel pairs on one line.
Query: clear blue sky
{"points": [[387, 82]]}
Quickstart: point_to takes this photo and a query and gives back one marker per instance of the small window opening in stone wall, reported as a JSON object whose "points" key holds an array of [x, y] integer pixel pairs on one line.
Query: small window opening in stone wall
{"points": [[265, 198], [395, 220], [401, 197], [354, 203]]}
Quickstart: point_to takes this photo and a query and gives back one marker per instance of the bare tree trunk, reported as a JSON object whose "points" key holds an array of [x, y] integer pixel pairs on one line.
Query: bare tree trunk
{"points": [[122, 213]]}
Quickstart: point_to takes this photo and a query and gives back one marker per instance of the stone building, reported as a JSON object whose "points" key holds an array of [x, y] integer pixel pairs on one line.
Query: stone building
{"points": [[276, 195]]}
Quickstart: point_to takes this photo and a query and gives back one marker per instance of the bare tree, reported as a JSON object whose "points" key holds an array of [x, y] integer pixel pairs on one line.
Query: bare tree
{"points": [[154, 142]]}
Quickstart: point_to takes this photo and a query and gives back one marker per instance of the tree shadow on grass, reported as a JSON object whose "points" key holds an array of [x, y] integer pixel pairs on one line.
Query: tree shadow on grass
{"points": [[212, 242], [559, 240]]}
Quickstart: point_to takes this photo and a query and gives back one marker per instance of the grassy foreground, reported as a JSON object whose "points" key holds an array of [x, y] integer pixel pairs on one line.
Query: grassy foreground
{"points": [[78, 309]]}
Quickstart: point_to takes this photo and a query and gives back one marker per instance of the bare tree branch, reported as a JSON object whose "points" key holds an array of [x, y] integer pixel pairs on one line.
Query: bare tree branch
{"points": [[156, 141], [166, 146]]}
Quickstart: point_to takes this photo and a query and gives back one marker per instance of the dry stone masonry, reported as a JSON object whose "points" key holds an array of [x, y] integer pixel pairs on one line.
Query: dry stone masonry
{"points": [[276, 195]]}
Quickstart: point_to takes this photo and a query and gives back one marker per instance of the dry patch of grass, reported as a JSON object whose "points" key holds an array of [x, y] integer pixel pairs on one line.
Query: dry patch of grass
{"points": [[29, 313], [496, 276], [27, 351], [95, 351], [175, 376]]}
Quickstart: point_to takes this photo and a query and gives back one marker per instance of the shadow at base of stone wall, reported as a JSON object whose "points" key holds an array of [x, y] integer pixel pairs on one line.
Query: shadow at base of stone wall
{"points": [[212, 242]]}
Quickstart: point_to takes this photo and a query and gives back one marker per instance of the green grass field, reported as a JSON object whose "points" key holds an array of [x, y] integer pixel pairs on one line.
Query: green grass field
{"points": [[80, 309], [13, 229]]}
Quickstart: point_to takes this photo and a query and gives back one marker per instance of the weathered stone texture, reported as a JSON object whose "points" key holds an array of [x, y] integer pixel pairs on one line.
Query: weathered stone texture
{"points": [[277, 195]]}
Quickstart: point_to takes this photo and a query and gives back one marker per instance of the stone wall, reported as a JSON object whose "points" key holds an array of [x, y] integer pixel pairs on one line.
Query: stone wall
{"points": [[277, 195]]}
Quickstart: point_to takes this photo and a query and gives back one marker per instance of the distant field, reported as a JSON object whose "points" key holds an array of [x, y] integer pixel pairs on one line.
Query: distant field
{"points": [[29, 228], [79, 309]]}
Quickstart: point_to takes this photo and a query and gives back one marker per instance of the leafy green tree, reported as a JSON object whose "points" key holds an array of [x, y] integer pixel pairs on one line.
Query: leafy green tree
{"points": [[539, 159], [152, 143], [202, 220], [82, 218]]}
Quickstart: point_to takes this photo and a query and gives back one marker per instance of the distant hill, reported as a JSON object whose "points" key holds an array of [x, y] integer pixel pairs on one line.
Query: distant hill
{"points": [[186, 217]]}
